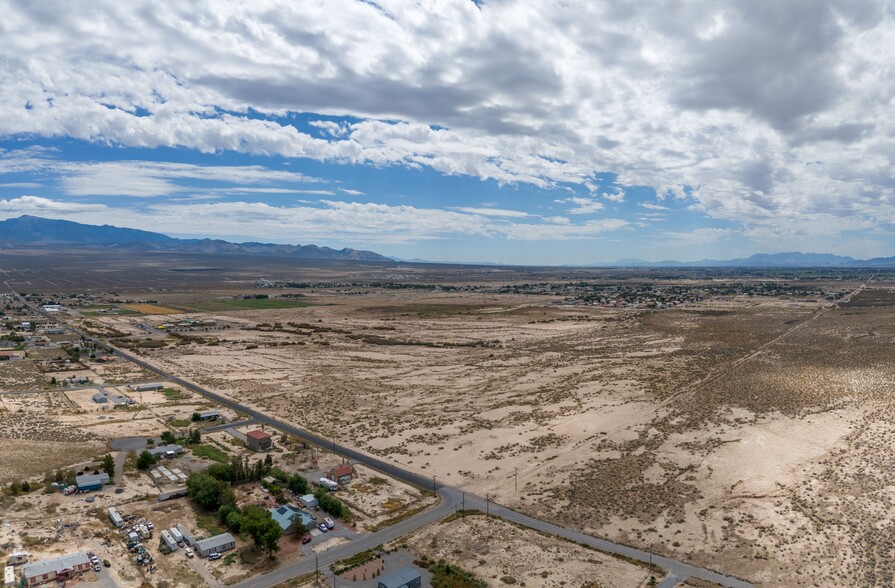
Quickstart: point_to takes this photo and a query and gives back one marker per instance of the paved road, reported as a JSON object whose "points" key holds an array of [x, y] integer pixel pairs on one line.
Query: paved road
{"points": [[669, 581], [232, 425], [451, 498]]}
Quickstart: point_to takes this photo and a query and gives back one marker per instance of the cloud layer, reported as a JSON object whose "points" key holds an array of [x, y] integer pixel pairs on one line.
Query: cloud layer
{"points": [[774, 115]]}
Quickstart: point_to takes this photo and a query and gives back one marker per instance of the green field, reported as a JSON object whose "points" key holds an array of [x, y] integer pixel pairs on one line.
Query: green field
{"points": [[171, 392], [180, 423], [210, 452], [254, 304]]}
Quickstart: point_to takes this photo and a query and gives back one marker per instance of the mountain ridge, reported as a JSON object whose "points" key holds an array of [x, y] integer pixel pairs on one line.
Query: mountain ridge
{"points": [[35, 230]]}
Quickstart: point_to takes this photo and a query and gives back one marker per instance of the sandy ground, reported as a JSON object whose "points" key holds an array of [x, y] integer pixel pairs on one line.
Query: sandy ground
{"points": [[496, 551]]}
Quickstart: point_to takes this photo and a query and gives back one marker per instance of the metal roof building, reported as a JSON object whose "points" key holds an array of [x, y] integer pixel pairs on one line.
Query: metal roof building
{"points": [[164, 449], [99, 398], [216, 544], [91, 481], [291, 517], [403, 578]]}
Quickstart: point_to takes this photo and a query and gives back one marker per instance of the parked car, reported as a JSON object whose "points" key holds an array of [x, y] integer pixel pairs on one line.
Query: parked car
{"points": [[188, 551], [97, 568], [214, 556], [323, 527], [329, 523], [90, 498], [119, 490], [306, 539], [107, 563]]}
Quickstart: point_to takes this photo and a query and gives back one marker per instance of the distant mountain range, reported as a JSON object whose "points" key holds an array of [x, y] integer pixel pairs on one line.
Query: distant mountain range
{"points": [[790, 259], [33, 231]]}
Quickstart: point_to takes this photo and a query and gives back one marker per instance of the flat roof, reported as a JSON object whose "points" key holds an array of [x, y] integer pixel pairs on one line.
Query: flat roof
{"points": [[55, 564], [400, 578], [102, 478]]}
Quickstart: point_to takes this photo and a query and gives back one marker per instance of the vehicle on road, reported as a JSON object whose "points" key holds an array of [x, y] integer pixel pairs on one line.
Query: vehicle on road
{"points": [[188, 551], [323, 527], [306, 539], [329, 523]]}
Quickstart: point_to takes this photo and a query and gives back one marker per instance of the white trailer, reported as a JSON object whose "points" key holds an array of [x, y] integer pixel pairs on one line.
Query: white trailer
{"points": [[328, 484]]}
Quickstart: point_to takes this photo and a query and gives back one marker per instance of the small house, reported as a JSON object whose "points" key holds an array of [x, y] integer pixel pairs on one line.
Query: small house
{"points": [[62, 568], [403, 578], [89, 482], [209, 415], [100, 398], [308, 501], [259, 440], [216, 544], [341, 474], [292, 519]]}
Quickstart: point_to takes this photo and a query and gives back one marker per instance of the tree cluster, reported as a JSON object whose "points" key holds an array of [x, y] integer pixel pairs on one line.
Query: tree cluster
{"points": [[253, 520], [208, 492], [332, 505]]}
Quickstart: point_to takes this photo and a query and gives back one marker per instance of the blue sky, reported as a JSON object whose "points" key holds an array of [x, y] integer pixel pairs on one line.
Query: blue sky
{"points": [[454, 131]]}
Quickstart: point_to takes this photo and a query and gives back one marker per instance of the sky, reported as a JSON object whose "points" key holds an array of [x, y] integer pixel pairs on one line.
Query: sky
{"points": [[522, 132]]}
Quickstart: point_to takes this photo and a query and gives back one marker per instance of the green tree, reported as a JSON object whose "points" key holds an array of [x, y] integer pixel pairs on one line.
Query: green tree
{"points": [[257, 522], [145, 460], [208, 492], [195, 437], [196, 417], [298, 484], [234, 521], [109, 465], [168, 437], [224, 511], [220, 471]]}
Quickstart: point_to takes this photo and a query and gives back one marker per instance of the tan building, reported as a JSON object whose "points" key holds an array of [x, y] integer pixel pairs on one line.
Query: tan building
{"points": [[259, 440]]}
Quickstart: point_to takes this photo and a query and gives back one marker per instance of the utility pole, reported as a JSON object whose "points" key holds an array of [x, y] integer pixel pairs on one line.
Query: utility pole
{"points": [[464, 506], [515, 479], [434, 487]]}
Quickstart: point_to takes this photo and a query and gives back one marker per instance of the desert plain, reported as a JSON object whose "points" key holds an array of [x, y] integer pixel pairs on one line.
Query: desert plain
{"points": [[738, 420]]}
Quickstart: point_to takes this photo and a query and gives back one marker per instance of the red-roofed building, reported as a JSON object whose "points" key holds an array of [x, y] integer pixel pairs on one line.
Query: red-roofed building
{"points": [[259, 440], [341, 474]]}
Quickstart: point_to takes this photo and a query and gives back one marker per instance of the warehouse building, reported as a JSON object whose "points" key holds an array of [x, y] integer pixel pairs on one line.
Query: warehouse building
{"points": [[148, 387], [216, 544], [100, 398], [63, 568], [89, 482], [403, 578]]}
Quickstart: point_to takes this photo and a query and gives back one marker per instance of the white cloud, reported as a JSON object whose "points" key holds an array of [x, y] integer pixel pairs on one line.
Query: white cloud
{"points": [[494, 212], [651, 206], [362, 223], [351, 192], [666, 96], [582, 205]]}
